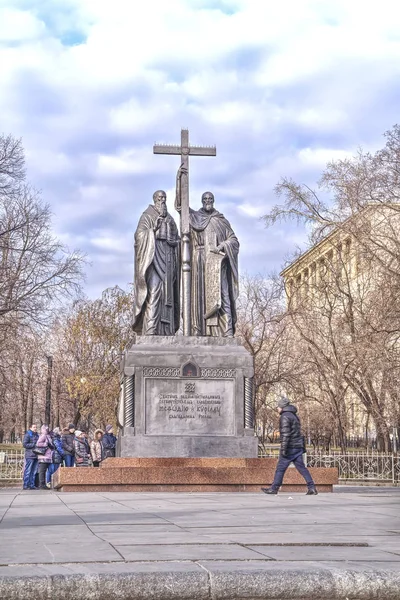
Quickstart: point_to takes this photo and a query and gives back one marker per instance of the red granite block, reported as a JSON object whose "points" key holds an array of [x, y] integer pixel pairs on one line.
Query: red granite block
{"points": [[191, 473], [119, 462], [186, 488]]}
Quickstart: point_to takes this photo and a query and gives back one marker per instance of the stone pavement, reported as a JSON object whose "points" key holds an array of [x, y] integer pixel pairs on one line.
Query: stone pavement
{"points": [[232, 546]]}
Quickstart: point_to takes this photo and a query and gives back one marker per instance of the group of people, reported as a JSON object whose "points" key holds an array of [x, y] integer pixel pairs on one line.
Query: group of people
{"points": [[45, 452]]}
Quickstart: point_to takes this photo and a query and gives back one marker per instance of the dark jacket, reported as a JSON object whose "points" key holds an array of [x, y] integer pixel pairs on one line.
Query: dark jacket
{"points": [[58, 453], [29, 442], [109, 443], [67, 440], [87, 444], [81, 452], [292, 439]]}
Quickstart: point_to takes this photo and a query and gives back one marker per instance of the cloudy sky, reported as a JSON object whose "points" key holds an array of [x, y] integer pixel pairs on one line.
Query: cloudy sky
{"points": [[280, 88]]}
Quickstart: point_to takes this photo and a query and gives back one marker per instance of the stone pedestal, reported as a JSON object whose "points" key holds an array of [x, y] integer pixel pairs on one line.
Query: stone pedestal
{"points": [[187, 397], [187, 475]]}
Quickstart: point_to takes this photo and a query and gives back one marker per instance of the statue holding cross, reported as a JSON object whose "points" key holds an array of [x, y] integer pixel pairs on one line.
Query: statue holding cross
{"points": [[208, 261], [185, 150], [214, 268]]}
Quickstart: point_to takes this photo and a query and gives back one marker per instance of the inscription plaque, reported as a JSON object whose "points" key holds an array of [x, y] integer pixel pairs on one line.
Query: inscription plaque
{"points": [[189, 407]]}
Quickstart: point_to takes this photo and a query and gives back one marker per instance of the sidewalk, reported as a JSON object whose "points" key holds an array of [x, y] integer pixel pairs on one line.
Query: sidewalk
{"points": [[232, 546]]}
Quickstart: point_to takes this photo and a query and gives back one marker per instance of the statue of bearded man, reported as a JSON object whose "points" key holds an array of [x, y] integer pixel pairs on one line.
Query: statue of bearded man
{"points": [[214, 262], [156, 307]]}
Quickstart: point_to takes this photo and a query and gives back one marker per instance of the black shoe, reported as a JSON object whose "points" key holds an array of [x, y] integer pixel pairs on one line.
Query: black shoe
{"points": [[269, 491], [25, 488], [312, 492]]}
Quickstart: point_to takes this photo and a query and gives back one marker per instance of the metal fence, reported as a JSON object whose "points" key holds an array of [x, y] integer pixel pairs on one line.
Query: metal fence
{"points": [[352, 466], [357, 466], [11, 464]]}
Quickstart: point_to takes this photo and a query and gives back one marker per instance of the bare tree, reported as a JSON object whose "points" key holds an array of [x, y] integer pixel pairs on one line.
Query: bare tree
{"points": [[263, 326], [37, 275], [347, 328], [89, 345], [36, 270], [12, 164]]}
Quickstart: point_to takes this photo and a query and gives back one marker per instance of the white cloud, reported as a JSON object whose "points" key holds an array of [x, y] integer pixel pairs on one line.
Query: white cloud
{"points": [[19, 26], [281, 88], [319, 157], [109, 244]]}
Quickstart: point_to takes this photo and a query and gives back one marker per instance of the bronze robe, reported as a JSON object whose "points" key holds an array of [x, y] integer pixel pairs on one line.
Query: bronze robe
{"points": [[215, 285], [156, 309]]}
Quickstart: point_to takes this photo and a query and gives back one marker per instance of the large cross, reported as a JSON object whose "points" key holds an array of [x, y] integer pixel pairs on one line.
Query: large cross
{"points": [[184, 150]]}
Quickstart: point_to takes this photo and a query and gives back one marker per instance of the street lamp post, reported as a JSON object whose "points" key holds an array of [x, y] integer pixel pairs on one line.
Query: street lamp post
{"points": [[47, 414]]}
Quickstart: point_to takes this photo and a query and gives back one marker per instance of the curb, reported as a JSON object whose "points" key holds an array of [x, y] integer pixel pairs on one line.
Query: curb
{"points": [[195, 581]]}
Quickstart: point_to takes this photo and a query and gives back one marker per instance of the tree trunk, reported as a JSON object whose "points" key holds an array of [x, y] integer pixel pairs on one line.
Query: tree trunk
{"points": [[382, 434]]}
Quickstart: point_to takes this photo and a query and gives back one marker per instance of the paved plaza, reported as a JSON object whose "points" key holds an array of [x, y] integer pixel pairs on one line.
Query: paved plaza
{"points": [[200, 545]]}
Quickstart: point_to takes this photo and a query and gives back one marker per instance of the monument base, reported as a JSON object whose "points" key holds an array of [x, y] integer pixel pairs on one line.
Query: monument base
{"points": [[130, 445], [187, 397], [187, 475]]}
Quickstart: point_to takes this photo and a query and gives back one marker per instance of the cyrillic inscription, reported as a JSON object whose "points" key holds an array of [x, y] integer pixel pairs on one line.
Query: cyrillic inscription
{"points": [[197, 407]]}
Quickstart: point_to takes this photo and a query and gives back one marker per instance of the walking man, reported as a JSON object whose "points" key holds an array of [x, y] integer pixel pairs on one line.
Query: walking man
{"points": [[31, 459], [292, 448]]}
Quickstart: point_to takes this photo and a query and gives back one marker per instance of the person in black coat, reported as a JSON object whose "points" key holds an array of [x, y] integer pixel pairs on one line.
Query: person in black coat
{"points": [[67, 440], [109, 442], [292, 448], [31, 459]]}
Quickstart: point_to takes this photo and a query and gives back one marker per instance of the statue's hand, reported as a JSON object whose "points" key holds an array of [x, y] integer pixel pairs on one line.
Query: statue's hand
{"points": [[182, 171], [216, 250], [221, 247], [158, 222]]}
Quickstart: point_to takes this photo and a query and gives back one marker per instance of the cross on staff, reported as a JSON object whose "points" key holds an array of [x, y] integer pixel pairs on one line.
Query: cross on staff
{"points": [[185, 150]]}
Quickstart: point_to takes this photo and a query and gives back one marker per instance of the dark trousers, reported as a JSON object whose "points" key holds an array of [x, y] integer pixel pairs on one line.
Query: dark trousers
{"points": [[42, 474], [283, 463], [68, 460], [30, 469], [52, 469]]}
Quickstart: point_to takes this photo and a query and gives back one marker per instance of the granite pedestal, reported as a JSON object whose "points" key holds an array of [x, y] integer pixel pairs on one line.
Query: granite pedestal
{"points": [[187, 475], [187, 397]]}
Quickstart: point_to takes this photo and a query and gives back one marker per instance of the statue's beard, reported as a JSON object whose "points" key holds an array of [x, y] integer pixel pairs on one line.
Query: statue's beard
{"points": [[162, 211]]}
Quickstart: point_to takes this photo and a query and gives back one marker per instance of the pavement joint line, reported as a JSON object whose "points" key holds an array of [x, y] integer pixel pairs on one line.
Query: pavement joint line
{"points": [[265, 559], [271, 544], [253, 550], [91, 531], [209, 582], [135, 510], [8, 508]]}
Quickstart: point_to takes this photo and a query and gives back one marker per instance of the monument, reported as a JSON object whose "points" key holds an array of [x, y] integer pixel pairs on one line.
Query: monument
{"points": [[187, 395], [186, 402]]}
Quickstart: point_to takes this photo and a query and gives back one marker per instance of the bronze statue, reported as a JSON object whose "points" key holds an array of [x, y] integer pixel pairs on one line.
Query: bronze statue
{"points": [[185, 150], [214, 268], [156, 308]]}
